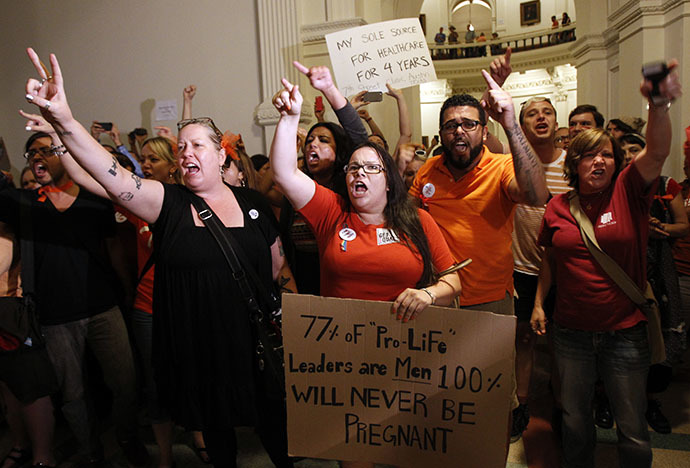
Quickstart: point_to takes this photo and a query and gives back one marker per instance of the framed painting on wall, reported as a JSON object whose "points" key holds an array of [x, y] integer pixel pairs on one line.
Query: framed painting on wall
{"points": [[530, 13]]}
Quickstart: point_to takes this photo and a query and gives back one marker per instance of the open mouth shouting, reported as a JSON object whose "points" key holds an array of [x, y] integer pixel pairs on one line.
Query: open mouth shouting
{"points": [[191, 168], [40, 169], [312, 158], [359, 188], [541, 128]]}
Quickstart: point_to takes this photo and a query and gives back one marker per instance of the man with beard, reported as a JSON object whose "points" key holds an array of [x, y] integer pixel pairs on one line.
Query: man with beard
{"points": [[471, 192], [538, 122], [76, 295]]}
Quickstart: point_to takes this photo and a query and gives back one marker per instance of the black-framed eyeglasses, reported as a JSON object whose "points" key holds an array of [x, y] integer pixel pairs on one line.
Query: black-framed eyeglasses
{"points": [[368, 168], [43, 151], [467, 125], [206, 121]]}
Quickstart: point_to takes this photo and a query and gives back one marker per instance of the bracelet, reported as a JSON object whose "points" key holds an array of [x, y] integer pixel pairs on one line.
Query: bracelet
{"points": [[58, 150], [433, 298], [666, 104]]}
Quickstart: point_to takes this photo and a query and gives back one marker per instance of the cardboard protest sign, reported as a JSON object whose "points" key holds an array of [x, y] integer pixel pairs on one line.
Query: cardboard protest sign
{"points": [[363, 386], [368, 57]]}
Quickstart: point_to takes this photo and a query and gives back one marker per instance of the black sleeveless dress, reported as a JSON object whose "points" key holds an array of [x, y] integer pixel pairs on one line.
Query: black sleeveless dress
{"points": [[202, 340]]}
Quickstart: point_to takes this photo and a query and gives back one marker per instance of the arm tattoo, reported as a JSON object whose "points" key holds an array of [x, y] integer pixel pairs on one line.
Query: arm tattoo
{"points": [[282, 282], [525, 162], [137, 180], [63, 133], [125, 196], [113, 169]]}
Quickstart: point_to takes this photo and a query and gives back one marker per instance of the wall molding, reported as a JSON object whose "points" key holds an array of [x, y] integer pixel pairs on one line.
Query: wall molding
{"points": [[317, 32]]}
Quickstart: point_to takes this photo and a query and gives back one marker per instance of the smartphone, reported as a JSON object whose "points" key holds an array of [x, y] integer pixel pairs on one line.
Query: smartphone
{"points": [[318, 104], [373, 96], [107, 126], [655, 72], [140, 131]]}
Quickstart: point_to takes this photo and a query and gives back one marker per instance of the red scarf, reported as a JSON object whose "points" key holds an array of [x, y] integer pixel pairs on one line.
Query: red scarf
{"points": [[43, 190]]}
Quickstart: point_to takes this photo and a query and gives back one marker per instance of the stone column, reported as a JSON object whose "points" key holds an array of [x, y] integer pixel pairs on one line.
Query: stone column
{"points": [[278, 45]]}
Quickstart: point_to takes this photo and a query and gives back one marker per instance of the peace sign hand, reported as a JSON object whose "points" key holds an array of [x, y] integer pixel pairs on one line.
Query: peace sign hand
{"points": [[288, 101], [36, 123], [48, 93]]}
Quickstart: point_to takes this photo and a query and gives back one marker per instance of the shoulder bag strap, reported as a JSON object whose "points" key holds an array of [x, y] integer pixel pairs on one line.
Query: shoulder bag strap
{"points": [[221, 236], [607, 263], [26, 244]]}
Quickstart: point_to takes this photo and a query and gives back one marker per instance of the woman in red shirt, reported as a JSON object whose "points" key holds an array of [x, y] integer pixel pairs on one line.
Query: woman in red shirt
{"points": [[598, 330], [374, 244]]}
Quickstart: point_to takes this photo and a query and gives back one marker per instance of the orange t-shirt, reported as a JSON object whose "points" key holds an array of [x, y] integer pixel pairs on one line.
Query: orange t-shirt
{"points": [[144, 298], [365, 261], [475, 214]]}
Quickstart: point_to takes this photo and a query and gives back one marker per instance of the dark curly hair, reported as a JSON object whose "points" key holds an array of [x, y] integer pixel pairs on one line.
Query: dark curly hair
{"points": [[343, 150], [462, 100], [34, 137]]}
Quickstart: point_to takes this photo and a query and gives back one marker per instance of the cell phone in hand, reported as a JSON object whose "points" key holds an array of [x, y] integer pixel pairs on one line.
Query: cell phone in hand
{"points": [[373, 96], [655, 72], [318, 104], [107, 126]]}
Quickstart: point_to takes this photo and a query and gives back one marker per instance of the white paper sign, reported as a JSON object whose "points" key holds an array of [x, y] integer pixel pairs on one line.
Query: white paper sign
{"points": [[166, 110], [368, 57]]}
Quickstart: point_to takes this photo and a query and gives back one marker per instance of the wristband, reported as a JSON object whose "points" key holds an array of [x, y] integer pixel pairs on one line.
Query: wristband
{"points": [[431, 295], [58, 150]]}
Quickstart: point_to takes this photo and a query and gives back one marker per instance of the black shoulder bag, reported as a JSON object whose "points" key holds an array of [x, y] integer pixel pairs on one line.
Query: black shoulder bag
{"points": [[264, 315], [18, 314]]}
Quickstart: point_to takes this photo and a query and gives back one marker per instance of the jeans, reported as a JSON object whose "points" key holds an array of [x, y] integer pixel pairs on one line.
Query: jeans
{"points": [[106, 335], [622, 360]]}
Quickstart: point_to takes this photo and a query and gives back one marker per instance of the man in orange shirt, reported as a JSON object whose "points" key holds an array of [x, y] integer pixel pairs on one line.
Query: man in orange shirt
{"points": [[472, 192]]}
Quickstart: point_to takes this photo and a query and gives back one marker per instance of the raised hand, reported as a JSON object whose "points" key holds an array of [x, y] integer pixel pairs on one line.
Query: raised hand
{"points": [[114, 134], [357, 100], [48, 92], [189, 92], [394, 92], [288, 101], [500, 67], [669, 88], [36, 123], [96, 130], [363, 113], [319, 77], [497, 102]]}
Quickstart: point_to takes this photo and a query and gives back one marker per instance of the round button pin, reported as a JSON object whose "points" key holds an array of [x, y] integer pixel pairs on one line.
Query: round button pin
{"points": [[347, 234], [428, 190], [253, 214]]}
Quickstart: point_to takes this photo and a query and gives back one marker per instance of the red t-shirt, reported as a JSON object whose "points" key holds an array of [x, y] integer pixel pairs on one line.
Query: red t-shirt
{"points": [[587, 299], [366, 261], [144, 298]]}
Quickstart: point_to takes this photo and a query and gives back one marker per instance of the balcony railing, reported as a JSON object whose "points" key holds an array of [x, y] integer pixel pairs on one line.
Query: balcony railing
{"points": [[518, 42]]}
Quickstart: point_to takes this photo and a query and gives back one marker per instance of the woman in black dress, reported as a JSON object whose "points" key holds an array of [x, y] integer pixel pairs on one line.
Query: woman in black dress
{"points": [[203, 361]]}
